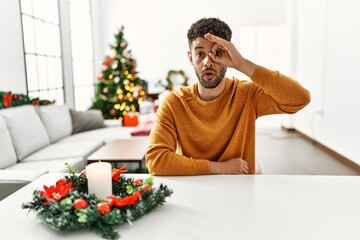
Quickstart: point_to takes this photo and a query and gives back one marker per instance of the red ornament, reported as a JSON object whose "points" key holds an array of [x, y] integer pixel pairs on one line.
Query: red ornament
{"points": [[147, 187], [108, 62], [137, 182], [103, 207], [80, 203], [35, 102], [7, 99]]}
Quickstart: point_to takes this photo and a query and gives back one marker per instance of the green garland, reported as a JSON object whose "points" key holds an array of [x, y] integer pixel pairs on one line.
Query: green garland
{"points": [[60, 210], [9, 99]]}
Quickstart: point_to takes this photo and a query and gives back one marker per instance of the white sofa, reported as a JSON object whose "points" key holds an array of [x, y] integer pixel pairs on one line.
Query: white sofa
{"points": [[38, 140]]}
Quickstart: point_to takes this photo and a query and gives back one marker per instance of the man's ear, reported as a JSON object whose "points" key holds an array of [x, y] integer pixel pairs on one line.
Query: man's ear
{"points": [[190, 57]]}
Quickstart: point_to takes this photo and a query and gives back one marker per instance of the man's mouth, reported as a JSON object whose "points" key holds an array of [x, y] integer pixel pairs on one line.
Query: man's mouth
{"points": [[207, 74]]}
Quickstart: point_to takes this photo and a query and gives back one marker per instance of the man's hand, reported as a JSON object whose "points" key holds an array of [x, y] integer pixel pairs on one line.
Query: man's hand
{"points": [[231, 166], [225, 52]]}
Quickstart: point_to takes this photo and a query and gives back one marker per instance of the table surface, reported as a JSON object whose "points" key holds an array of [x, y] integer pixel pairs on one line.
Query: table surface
{"points": [[220, 207], [122, 149]]}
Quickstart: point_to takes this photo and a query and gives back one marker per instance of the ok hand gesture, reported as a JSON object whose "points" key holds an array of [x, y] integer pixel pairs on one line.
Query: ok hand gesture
{"points": [[225, 52]]}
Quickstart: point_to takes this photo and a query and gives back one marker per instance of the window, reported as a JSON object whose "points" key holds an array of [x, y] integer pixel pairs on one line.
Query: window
{"points": [[43, 58], [82, 53]]}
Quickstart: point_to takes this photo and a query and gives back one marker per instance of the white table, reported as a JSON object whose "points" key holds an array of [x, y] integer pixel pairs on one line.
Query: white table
{"points": [[221, 207]]}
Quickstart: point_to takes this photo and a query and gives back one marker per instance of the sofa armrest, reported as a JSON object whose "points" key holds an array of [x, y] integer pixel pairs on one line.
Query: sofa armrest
{"points": [[13, 180]]}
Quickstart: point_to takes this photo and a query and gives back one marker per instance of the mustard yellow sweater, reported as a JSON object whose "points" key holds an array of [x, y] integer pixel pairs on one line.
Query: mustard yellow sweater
{"points": [[189, 132]]}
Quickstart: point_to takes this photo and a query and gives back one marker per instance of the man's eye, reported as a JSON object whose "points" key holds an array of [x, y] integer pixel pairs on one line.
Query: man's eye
{"points": [[218, 53], [200, 54]]}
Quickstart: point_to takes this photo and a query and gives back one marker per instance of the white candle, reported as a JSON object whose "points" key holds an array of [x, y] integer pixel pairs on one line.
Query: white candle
{"points": [[99, 179]]}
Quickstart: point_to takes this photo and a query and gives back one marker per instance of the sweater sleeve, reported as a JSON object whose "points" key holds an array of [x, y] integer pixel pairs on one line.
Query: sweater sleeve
{"points": [[161, 157], [277, 93]]}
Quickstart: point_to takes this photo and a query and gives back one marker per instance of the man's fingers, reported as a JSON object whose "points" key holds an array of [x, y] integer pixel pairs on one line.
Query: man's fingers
{"points": [[222, 42], [245, 166]]}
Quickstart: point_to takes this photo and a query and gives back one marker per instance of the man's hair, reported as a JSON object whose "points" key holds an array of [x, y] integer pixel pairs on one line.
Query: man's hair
{"points": [[209, 25]]}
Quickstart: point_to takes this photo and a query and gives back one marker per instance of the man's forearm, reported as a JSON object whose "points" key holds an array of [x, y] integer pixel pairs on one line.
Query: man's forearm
{"points": [[246, 67]]}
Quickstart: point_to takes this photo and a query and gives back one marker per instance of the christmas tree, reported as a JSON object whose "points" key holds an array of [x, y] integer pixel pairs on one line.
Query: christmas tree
{"points": [[118, 89]]}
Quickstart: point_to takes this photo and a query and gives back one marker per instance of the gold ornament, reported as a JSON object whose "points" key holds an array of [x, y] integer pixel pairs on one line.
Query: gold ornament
{"points": [[119, 91], [117, 106]]}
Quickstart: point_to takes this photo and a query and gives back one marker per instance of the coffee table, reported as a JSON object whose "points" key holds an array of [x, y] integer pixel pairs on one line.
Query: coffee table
{"points": [[121, 150]]}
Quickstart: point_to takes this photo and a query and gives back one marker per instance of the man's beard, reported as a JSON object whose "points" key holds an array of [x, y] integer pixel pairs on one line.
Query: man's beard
{"points": [[214, 83]]}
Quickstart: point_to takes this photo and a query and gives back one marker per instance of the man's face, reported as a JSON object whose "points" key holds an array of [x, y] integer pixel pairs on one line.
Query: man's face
{"points": [[209, 73]]}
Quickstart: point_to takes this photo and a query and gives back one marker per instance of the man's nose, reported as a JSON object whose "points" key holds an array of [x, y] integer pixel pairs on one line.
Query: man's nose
{"points": [[208, 61]]}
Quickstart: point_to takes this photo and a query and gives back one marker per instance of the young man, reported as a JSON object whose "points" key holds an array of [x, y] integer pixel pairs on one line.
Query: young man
{"points": [[209, 127]]}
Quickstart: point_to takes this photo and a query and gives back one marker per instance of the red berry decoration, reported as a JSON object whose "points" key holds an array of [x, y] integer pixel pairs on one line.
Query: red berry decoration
{"points": [[80, 203], [103, 207], [147, 187]]}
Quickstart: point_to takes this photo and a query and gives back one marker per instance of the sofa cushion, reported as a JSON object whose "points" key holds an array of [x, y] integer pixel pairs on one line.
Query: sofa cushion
{"points": [[8, 155], [27, 131], [65, 150], [86, 120], [53, 166], [57, 121]]}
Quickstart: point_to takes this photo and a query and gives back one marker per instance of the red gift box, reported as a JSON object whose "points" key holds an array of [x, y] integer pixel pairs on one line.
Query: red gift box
{"points": [[131, 119]]}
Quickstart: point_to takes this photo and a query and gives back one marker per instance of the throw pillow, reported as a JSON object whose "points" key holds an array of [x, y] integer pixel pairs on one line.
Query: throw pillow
{"points": [[26, 129], [57, 121], [86, 120]]}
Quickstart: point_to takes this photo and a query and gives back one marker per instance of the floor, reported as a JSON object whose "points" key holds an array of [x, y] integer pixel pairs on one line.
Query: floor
{"points": [[287, 153]]}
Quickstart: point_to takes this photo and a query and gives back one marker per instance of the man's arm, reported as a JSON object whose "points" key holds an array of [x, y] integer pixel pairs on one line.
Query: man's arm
{"points": [[277, 93], [162, 159]]}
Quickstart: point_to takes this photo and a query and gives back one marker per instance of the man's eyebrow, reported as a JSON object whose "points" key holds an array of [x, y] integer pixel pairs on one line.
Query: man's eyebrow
{"points": [[199, 47]]}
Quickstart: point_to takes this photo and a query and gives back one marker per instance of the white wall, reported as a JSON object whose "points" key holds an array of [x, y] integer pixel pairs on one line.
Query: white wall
{"points": [[328, 61], [12, 66], [156, 30]]}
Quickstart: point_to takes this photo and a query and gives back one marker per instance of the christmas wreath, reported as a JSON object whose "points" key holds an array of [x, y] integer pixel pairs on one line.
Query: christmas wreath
{"points": [[169, 83], [67, 206], [174, 72]]}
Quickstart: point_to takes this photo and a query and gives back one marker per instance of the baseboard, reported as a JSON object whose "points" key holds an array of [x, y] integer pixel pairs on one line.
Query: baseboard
{"points": [[326, 149]]}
